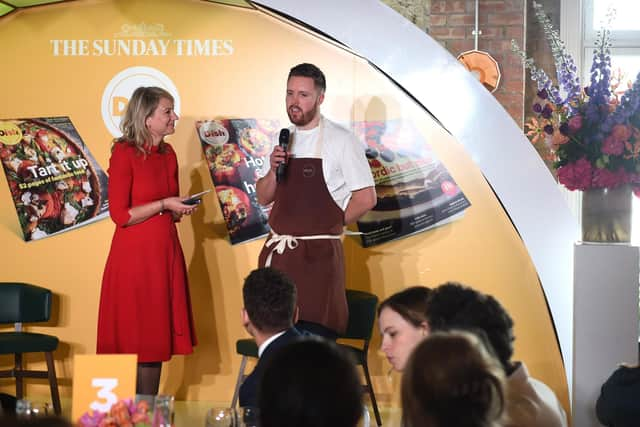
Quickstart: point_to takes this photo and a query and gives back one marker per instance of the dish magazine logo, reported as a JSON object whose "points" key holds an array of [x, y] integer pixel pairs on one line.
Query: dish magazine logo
{"points": [[118, 91], [213, 133], [10, 133]]}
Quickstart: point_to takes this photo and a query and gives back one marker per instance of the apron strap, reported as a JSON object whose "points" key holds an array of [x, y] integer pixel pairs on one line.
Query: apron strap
{"points": [[281, 242]]}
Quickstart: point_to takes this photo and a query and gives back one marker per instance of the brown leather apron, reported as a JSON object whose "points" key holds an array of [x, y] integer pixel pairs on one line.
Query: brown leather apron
{"points": [[305, 244]]}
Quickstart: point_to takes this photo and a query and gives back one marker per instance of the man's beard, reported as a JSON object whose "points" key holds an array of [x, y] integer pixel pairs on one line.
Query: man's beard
{"points": [[304, 118]]}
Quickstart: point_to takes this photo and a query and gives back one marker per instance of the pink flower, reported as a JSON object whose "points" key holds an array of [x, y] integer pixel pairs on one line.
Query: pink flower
{"points": [[612, 146], [91, 419], [604, 178], [576, 176], [621, 132], [575, 123]]}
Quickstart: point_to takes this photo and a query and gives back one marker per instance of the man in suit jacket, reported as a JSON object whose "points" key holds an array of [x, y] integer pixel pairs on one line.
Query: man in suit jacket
{"points": [[268, 315]]}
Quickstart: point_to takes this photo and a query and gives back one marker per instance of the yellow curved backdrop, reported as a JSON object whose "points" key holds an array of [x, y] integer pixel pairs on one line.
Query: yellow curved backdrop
{"points": [[482, 249]]}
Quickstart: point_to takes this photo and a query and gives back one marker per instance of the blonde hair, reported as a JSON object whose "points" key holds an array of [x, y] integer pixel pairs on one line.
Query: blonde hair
{"points": [[451, 379], [142, 104]]}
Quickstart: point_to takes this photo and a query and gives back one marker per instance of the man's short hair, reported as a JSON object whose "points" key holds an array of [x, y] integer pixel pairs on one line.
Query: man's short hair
{"points": [[310, 70], [269, 299], [311, 383], [455, 306]]}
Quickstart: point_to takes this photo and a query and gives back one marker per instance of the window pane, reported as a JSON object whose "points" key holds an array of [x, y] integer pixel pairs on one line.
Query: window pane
{"points": [[627, 12], [629, 64], [627, 59]]}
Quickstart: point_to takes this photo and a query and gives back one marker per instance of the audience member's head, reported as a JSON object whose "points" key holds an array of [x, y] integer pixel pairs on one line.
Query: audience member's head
{"points": [[7, 404], [269, 301], [452, 380], [40, 421], [402, 319], [310, 383], [454, 306]]}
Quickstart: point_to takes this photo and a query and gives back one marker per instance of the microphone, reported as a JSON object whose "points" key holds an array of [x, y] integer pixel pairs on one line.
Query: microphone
{"points": [[283, 141]]}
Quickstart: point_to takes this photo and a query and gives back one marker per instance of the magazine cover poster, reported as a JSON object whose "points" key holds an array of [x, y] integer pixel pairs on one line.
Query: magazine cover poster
{"points": [[235, 150], [414, 190], [55, 183]]}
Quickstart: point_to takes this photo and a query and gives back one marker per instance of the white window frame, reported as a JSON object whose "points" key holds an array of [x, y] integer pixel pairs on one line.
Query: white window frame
{"points": [[625, 43], [622, 38]]}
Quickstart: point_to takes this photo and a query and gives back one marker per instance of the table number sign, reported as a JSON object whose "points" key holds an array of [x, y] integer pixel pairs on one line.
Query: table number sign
{"points": [[101, 380]]}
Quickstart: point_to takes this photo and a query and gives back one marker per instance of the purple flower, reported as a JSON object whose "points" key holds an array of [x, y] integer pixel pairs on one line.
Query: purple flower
{"points": [[629, 105], [593, 134], [91, 419]]}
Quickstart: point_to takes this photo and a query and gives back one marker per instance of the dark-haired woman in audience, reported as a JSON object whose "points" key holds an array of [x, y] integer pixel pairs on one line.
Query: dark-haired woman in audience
{"points": [[403, 324], [451, 380]]}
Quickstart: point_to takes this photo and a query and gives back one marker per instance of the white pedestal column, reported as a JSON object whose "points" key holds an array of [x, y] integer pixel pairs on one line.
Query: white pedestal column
{"points": [[605, 321]]}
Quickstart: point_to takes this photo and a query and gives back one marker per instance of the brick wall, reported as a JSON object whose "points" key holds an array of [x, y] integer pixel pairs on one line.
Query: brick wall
{"points": [[451, 22], [416, 11]]}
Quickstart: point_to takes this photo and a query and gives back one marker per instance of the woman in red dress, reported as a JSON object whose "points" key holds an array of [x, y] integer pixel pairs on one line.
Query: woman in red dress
{"points": [[145, 307]]}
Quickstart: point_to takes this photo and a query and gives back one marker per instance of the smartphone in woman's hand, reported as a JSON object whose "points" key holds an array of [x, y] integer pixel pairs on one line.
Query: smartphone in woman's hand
{"points": [[195, 199]]}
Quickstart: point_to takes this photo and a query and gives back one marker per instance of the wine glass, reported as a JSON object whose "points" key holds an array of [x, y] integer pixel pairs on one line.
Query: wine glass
{"points": [[220, 417], [365, 419], [248, 417], [41, 409], [163, 411], [23, 408]]}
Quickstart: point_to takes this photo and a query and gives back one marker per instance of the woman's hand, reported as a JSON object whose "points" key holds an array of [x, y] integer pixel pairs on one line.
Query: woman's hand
{"points": [[175, 205]]}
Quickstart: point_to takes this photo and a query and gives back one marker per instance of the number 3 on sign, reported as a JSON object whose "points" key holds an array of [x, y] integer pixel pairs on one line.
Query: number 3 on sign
{"points": [[100, 380], [106, 386]]}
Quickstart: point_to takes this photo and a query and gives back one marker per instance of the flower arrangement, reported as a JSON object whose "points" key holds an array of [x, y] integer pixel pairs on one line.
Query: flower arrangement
{"points": [[124, 413], [592, 133]]}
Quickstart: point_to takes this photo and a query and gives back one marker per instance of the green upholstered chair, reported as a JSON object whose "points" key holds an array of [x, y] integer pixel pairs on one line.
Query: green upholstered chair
{"points": [[362, 315], [23, 303]]}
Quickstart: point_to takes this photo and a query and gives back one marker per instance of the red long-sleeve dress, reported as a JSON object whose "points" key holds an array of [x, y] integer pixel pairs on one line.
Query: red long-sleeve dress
{"points": [[145, 308]]}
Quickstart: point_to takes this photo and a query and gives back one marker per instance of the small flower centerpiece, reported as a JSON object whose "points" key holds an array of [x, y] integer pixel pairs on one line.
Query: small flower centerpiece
{"points": [[591, 134], [124, 413]]}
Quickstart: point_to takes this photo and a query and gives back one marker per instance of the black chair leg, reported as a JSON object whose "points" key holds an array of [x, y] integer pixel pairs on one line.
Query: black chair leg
{"points": [[18, 375], [53, 383], [239, 381], [376, 412]]}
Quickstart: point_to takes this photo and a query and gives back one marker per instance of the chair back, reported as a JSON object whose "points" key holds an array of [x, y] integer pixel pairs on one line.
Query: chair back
{"points": [[21, 302], [362, 314]]}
